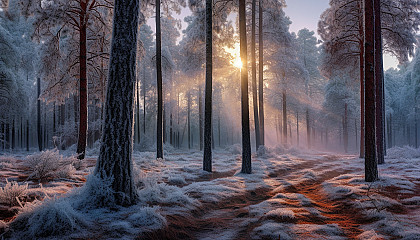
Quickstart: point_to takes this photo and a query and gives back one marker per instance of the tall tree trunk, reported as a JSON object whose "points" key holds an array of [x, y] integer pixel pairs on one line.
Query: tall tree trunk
{"points": [[308, 129], [144, 99], [390, 142], [159, 144], [138, 112], [13, 134], [362, 83], [297, 128], [189, 120], [115, 158], [379, 84], [254, 79], [371, 168], [200, 117], [415, 128], [38, 109], [27, 135], [218, 125], [345, 129], [355, 130], [284, 116], [83, 94], [261, 73], [207, 164], [246, 138]]}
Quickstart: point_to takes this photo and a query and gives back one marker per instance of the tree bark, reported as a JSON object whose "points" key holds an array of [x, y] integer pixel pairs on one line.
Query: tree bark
{"points": [[297, 128], [345, 129], [159, 136], [138, 111], [254, 79], [371, 168], [200, 117], [261, 73], [115, 158], [27, 135], [189, 120], [246, 138], [379, 84], [83, 94], [362, 85], [284, 116], [38, 107], [207, 164]]}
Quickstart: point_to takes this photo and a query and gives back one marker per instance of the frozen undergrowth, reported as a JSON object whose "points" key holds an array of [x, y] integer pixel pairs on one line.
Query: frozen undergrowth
{"points": [[11, 192], [177, 185], [89, 210], [50, 164]]}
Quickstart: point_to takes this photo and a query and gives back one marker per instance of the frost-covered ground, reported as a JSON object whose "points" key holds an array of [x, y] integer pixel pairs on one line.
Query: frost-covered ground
{"points": [[290, 195]]}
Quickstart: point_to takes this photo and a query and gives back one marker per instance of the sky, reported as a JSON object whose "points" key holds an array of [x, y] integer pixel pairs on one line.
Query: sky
{"points": [[303, 14]]}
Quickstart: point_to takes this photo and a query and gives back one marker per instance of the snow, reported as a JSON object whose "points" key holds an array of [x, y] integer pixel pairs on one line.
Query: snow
{"points": [[290, 194]]}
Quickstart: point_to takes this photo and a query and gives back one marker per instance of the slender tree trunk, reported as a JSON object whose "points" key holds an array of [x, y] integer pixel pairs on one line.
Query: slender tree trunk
{"points": [[138, 112], [284, 117], [13, 134], [144, 99], [362, 84], [54, 125], [246, 138], [308, 129], [200, 117], [355, 131], [254, 78], [297, 128], [39, 130], [189, 120], [390, 142], [415, 128], [27, 135], [379, 84], [3, 137], [261, 73], [159, 144], [371, 168], [83, 94], [207, 159], [345, 129], [115, 158]]}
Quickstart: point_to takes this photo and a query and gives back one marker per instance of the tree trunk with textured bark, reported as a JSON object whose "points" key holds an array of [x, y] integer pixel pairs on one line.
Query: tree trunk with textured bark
{"points": [[159, 127], [115, 158], [246, 138], [83, 94], [261, 73], [254, 79], [371, 168], [38, 110], [207, 164], [379, 84]]}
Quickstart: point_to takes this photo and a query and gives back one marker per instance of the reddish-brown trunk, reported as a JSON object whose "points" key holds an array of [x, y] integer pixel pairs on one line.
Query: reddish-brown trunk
{"points": [[81, 143]]}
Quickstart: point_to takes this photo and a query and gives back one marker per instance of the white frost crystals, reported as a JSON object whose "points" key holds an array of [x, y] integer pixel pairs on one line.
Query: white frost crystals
{"points": [[11, 192], [77, 213]]}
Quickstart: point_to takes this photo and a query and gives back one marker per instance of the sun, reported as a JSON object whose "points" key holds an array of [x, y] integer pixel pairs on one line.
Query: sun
{"points": [[237, 62]]}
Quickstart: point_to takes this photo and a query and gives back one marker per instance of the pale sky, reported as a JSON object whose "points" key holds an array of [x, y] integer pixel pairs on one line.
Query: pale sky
{"points": [[303, 14]]}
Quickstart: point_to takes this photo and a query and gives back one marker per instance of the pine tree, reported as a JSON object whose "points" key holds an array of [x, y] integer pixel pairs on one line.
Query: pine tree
{"points": [[115, 158]]}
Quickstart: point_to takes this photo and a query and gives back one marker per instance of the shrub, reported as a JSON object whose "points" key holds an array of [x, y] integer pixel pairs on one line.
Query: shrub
{"points": [[11, 192], [50, 164]]}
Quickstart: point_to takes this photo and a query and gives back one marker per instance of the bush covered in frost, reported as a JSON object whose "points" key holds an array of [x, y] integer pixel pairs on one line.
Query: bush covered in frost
{"points": [[48, 218], [50, 164], [11, 192]]}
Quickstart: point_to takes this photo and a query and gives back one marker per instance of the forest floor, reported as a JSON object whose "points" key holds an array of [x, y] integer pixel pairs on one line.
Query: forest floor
{"points": [[291, 194]]}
